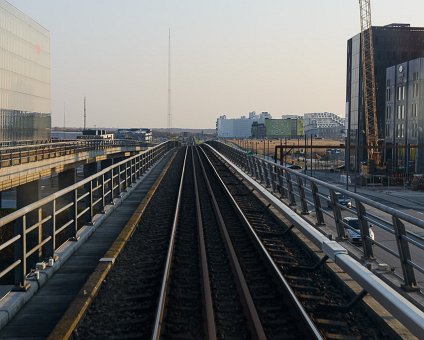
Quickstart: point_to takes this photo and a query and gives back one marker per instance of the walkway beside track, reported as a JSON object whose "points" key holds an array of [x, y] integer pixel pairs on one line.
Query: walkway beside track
{"points": [[40, 315]]}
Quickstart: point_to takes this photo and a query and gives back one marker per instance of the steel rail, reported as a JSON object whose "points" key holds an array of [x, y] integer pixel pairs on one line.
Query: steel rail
{"points": [[207, 291], [401, 308], [165, 280], [255, 324], [286, 286]]}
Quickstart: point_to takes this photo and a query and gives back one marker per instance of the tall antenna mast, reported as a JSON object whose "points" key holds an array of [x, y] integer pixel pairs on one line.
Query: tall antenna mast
{"points": [[85, 114], [64, 119], [169, 83]]}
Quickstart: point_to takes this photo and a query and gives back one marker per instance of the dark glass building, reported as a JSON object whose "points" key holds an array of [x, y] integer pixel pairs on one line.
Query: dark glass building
{"points": [[405, 117], [25, 112], [393, 44]]}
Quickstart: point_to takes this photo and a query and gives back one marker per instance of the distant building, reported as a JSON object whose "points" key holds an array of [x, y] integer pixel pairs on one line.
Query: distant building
{"points": [[393, 44], [324, 125], [238, 127], [25, 112], [140, 134], [287, 127], [96, 134], [404, 116]]}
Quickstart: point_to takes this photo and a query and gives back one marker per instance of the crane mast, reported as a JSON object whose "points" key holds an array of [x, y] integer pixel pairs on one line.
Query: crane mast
{"points": [[370, 102]]}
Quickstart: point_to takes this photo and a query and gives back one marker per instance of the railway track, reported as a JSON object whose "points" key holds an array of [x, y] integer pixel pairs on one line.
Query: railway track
{"points": [[334, 311], [214, 263]]}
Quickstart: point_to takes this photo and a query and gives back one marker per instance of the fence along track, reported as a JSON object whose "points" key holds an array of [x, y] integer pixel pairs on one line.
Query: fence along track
{"points": [[316, 289]]}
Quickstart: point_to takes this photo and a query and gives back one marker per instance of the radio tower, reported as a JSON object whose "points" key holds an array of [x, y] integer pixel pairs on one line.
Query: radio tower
{"points": [[85, 114], [169, 125]]}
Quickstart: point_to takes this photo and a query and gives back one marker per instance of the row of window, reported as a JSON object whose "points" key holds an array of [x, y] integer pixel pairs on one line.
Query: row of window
{"points": [[400, 112], [400, 130], [401, 92]]}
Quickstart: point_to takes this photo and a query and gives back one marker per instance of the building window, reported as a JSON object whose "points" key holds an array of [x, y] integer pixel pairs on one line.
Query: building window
{"points": [[388, 94], [400, 130], [415, 90], [388, 112], [388, 129], [400, 112], [403, 92], [414, 109], [414, 131], [415, 76], [399, 93]]}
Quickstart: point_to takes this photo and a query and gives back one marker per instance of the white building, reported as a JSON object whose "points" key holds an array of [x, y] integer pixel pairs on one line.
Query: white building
{"points": [[324, 124], [238, 127]]}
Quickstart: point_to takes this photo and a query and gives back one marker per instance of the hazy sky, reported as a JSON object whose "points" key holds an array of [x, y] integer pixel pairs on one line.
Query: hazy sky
{"points": [[228, 57]]}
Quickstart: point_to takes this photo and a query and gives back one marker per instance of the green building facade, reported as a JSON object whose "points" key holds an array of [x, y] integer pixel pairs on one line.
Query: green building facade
{"points": [[284, 128]]}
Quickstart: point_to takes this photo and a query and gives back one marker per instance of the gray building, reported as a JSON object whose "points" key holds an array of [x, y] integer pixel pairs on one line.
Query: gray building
{"points": [[25, 111], [393, 44], [404, 117]]}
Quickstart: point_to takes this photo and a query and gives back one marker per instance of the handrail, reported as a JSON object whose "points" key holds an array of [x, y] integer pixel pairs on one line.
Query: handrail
{"points": [[408, 314], [283, 181], [42, 217], [23, 154]]}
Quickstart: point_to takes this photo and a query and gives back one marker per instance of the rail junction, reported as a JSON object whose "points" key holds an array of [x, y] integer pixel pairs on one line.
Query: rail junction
{"points": [[199, 242]]}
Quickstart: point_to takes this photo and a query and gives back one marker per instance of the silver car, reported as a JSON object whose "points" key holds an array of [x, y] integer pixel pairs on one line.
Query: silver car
{"points": [[353, 232]]}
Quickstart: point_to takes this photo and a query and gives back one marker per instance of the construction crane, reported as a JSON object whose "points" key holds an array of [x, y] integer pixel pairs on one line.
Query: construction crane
{"points": [[370, 103]]}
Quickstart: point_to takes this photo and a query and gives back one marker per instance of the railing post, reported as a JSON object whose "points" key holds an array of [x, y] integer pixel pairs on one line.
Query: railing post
{"points": [[290, 190], [103, 194], [337, 215], [317, 204], [280, 177], [90, 202], [255, 168], [126, 175], [365, 230], [53, 228], [301, 190], [75, 216], [119, 180], [112, 185], [404, 256], [261, 171], [267, 174], [20, 271], [271, 176]]}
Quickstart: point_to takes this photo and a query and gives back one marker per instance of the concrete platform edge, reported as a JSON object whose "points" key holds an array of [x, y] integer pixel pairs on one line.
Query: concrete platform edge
{"points": [[12, 302], [88, 292]]}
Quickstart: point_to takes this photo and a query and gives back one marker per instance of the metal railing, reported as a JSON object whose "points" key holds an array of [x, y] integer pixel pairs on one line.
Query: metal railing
{"points": [[306, 194], [16, 155], [40, 228]]}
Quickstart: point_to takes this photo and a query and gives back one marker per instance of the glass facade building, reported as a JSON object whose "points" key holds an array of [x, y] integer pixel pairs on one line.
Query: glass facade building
{"points": [[25, 108], [393, 44], [405, 117]]}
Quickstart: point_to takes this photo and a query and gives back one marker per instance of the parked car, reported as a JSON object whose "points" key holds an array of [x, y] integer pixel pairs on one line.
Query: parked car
{"points": [[341, 199], [353, 232], [294, 167]]}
